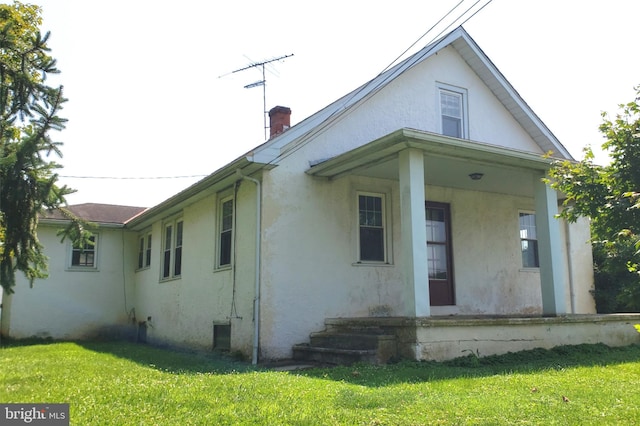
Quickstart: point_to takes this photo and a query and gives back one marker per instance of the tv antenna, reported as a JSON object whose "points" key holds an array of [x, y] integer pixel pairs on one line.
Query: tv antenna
{"points": [[259, 83]]}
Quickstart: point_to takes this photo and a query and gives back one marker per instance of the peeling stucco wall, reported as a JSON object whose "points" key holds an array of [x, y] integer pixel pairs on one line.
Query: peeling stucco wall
{"points": [[313, 272], [183, 310], [310, 267], [454, 338], [74, 304]]}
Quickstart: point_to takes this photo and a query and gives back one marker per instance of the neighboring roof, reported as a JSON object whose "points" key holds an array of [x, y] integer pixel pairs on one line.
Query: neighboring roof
{"points": [[98, 213]]}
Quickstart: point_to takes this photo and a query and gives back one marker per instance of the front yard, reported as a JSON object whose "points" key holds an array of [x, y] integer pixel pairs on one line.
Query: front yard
{"points": [[119, 383]]}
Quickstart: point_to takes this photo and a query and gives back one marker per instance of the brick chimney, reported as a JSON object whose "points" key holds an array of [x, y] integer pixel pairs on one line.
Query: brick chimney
{"points": [[279, 120]]}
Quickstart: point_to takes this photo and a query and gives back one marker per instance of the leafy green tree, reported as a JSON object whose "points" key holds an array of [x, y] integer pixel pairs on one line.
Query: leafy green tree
{"points": [[28, 113], [610, 196]]}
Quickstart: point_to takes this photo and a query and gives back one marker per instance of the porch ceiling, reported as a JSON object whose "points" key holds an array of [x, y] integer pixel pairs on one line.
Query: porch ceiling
{"points": [[447, 162]]}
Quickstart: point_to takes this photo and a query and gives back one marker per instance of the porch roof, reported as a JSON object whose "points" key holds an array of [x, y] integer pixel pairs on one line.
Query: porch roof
{"points": [[448, 162]]}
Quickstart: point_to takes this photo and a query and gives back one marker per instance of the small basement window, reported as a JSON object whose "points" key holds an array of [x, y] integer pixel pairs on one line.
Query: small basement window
{"points": [[221, 337]]}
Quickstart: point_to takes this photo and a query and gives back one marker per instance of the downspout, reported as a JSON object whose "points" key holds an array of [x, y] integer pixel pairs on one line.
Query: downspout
{"points": [[256, 300], [572, 294]]}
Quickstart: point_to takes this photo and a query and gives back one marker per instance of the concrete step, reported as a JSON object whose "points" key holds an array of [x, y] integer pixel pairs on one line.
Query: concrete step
{"points": [[348, 340], [350, 328], [347, 348], [304, 352]]}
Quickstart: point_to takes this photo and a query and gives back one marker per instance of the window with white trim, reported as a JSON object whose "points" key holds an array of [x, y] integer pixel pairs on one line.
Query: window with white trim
{"points": [[225, 226], [529, 240], [177, 252], [85, 255], [144, 251], [453, 111], [172, 249], [371, 227], [147, 260]]}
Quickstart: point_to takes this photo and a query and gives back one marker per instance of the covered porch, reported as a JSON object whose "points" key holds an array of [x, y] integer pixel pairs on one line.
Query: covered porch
{"points": [[418, 161], [499, 304]]}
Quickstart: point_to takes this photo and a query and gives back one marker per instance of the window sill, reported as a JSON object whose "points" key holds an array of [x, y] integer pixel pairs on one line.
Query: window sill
{"points": [[82, 269], [529, 269], [372, 264], [222, 268], [168, 279], [146, 268]]}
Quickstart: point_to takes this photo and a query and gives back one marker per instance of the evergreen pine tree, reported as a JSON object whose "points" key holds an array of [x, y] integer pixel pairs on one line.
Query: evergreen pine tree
{"points": [[29, 111]]}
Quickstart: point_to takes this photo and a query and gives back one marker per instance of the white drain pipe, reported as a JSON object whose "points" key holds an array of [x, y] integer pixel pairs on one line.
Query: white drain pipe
{"points": [[572, 290], [256, 300]]}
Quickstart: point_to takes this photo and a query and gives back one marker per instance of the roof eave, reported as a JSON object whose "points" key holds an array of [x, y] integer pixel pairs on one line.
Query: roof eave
{"points": [[63, 222], [218, 180], [502, 89]]}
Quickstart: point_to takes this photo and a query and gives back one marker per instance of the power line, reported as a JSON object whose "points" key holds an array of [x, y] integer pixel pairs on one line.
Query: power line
{"points": [[431, 40], [323, 128], [132, 177], [328, 124], [422, 36]]}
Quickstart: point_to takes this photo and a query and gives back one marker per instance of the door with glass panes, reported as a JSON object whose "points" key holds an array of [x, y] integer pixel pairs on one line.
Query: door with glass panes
{"points": [[439, 251]]}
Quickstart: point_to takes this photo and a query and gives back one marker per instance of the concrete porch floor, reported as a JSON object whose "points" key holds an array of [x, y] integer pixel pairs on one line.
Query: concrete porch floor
{"points": [[441, 338]]}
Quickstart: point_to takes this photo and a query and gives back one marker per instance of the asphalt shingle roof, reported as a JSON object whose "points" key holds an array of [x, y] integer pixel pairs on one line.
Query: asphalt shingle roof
{"points": [[99, 213]]}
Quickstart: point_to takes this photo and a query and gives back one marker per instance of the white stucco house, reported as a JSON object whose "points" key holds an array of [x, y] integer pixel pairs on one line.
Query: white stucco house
{"points": [[412, 207]]}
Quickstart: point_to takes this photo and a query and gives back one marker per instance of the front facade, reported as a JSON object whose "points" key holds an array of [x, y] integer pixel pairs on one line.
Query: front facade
{"points": [[417, 195]]}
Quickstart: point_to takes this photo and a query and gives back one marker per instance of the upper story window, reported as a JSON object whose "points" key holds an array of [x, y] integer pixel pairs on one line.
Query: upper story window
{"points": [[371, 229], [225, 241], [453, 111], [85, 256], [529, 240], [172, 249], [144, 251]]}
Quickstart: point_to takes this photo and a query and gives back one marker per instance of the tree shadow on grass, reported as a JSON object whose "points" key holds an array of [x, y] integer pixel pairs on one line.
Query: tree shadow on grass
{"points": [[470, 366], [174, 360], [170, 359]]}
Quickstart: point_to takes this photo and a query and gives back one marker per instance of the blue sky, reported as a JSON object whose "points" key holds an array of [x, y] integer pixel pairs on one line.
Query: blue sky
{"points": [[146, 98]]}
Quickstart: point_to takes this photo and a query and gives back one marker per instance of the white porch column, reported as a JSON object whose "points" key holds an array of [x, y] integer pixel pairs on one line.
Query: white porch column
{"points": [[414, 234], [549, 249]]}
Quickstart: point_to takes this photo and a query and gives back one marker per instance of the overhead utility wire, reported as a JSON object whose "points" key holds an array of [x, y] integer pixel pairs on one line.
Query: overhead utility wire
{"points": [[132, 177], [465, 12], [357, 92], [322, 128], [422, 36], [328, 125], [433, 39]]}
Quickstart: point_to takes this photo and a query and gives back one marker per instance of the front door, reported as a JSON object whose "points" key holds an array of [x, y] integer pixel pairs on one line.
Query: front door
{"points": [[439, 254]]}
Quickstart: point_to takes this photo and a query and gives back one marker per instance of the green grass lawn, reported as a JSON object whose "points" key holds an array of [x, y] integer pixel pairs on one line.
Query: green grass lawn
{"points": [[117, 383]]}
